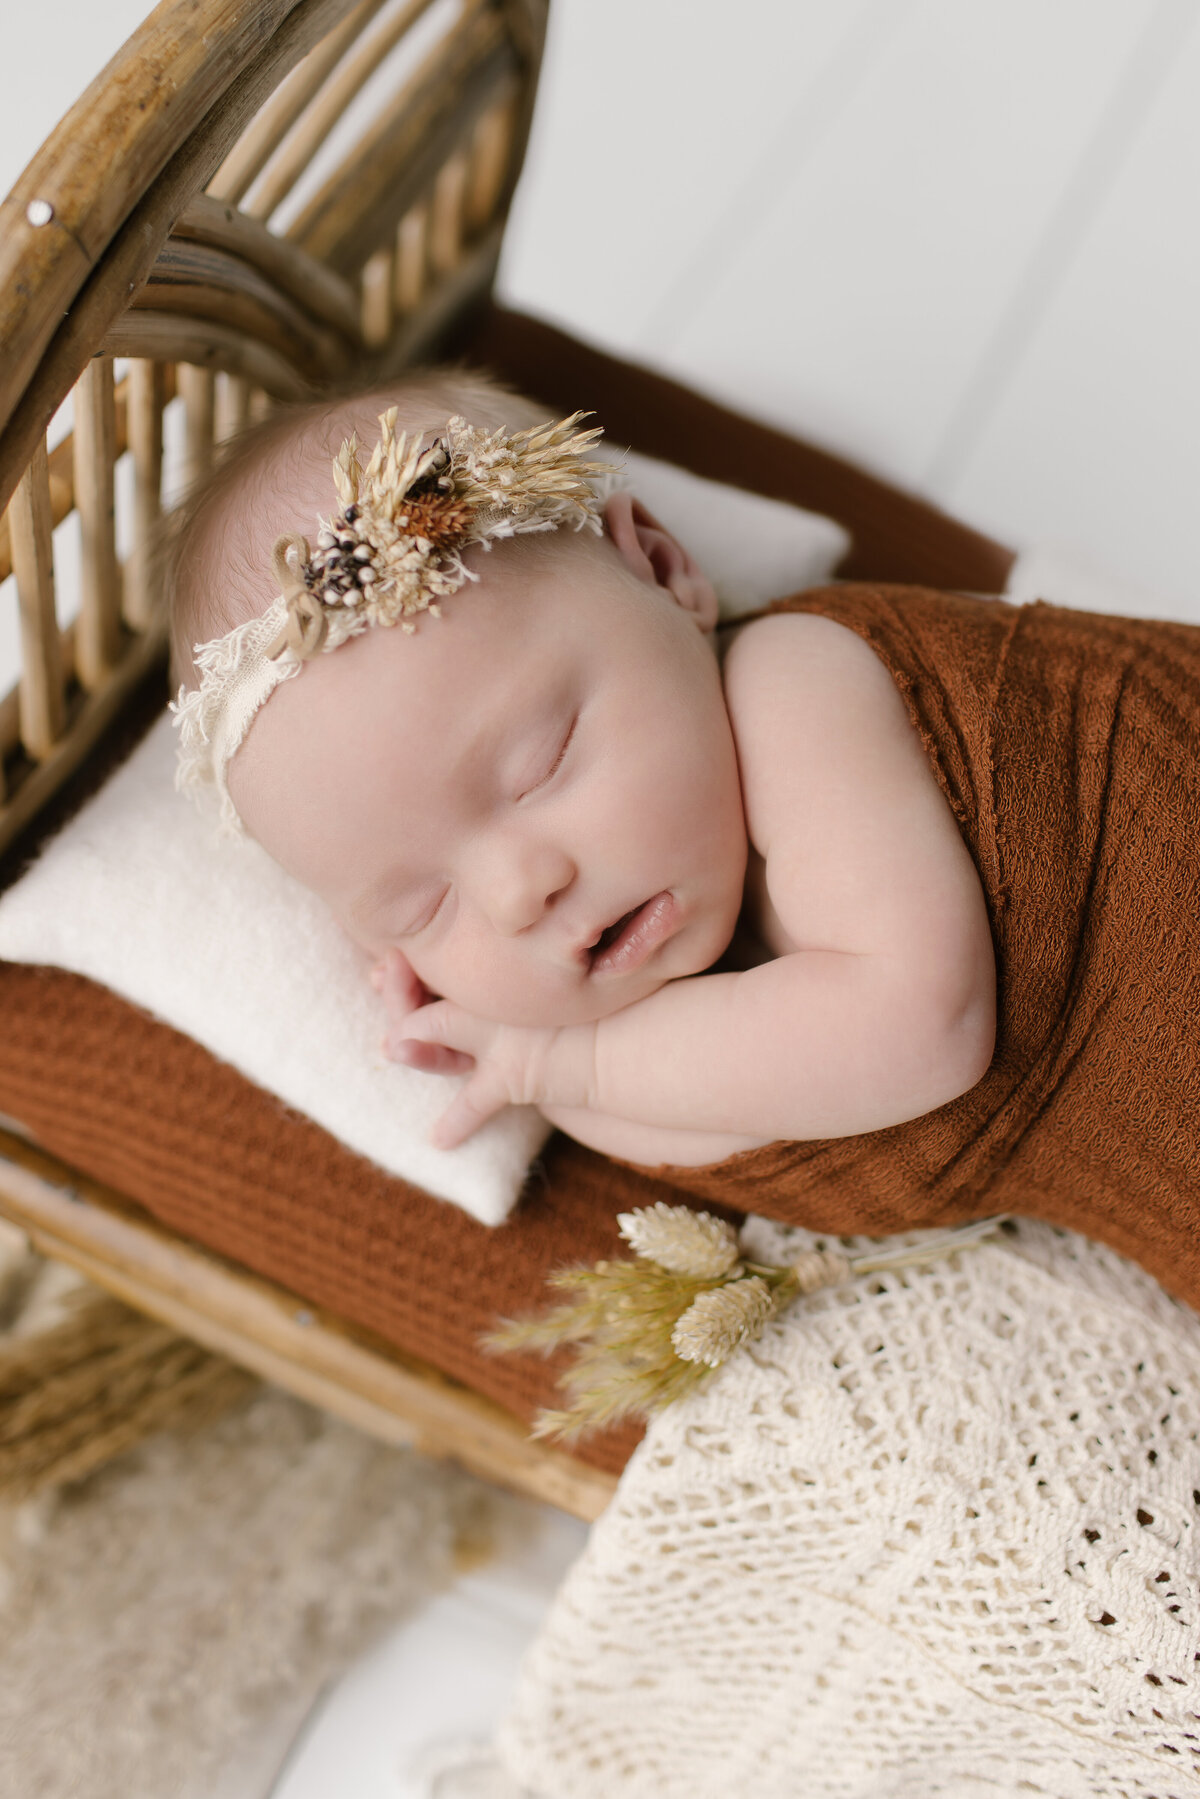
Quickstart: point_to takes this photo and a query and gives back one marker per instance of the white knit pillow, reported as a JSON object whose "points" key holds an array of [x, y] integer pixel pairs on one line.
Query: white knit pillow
{"points": [[138, 894]]}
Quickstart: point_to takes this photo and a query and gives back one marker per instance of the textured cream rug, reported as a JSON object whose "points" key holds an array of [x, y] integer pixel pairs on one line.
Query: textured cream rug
{"points": [[158, 1618]]}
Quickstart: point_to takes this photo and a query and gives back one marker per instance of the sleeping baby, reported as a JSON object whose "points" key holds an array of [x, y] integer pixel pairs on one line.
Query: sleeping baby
{"points": [[731, 902]]}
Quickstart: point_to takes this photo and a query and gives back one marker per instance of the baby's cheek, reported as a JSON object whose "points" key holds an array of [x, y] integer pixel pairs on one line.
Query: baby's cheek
{"points": [[499, 985], [374, 949]]}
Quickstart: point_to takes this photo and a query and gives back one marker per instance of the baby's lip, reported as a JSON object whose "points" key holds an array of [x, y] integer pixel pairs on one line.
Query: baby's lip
{"points": [[629, 940], [586, 949]]}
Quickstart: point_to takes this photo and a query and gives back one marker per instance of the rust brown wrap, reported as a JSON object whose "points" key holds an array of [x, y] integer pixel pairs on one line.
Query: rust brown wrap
{"points": [[1067, 745]]}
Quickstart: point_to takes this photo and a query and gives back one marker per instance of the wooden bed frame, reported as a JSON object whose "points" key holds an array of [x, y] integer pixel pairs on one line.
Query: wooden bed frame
{"points": [[145, 230]]}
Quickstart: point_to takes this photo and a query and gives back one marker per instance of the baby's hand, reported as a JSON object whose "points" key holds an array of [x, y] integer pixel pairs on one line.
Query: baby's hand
{"points": [[403, 997], [508, 1065]]}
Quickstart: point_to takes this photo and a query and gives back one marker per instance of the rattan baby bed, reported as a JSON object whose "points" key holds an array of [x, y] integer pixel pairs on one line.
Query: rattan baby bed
{"points": [[146, 230]]}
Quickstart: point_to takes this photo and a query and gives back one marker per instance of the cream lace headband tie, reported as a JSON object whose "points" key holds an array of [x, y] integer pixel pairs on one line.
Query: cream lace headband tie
{"points": [[393, 550]]}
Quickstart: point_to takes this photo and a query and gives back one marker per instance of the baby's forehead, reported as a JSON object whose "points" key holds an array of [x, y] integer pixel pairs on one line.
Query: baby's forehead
{"points": [[284, 485]]}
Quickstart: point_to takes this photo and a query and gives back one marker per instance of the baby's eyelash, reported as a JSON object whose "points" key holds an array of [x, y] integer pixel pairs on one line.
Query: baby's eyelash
{"points": [[558, 760], [416, 930]]}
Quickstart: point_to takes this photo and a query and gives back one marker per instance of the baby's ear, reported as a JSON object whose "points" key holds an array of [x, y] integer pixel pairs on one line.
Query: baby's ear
{"points": [[649, 549]]}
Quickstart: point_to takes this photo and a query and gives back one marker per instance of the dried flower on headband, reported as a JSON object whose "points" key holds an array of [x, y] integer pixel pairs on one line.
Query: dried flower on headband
{"points": [[394, 549], [650, 1330]]}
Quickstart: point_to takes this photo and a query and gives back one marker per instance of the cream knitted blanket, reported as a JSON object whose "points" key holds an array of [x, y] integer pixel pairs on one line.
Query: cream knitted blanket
{"points": [[934, 1534]]}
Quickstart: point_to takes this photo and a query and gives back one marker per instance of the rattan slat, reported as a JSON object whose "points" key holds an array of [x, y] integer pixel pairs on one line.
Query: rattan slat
{"points": [[417, 339], [98, 636], [10, 704], [197, 387], [311, 131], [88, 723], [446, 221], [412, 259], [62, 473], [323, 295], [204, 282], [173, 337], [31, 536], [232, 405], [398, 158], [62, 498], [284, 108], [146, 397], [377, 297], [490, 161]]}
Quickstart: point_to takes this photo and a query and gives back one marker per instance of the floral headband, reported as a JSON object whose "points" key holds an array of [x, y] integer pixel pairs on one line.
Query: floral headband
{"points": [[393, 550]]}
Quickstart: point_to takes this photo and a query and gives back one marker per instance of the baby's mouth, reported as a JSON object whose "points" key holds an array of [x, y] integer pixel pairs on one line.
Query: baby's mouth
{"points": [[626, 943], [609, 936]]}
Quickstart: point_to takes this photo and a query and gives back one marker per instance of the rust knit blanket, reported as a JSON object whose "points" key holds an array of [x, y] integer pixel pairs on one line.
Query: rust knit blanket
{"points": [[1068, 745]]}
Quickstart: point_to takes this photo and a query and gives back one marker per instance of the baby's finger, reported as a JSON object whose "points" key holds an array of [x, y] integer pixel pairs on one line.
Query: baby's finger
{"points": [[430, 1058], [402, 991], [471, 1107], [441, 1023]]}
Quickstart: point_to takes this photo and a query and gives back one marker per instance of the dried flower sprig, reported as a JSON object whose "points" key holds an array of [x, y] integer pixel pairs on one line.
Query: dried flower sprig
{"points": [[647, 1331]]}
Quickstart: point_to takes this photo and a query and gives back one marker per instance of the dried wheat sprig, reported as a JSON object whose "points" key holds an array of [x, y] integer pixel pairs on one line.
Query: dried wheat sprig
{"points": [[94, 1384], [613, 1296], [646, 1332]]}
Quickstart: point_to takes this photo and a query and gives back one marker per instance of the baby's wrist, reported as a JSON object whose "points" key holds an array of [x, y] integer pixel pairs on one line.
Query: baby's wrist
{"points": [[566, 1074]]}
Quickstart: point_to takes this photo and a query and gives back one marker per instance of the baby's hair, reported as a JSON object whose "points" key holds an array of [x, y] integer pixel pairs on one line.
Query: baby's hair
{"points": [[215, 555]]}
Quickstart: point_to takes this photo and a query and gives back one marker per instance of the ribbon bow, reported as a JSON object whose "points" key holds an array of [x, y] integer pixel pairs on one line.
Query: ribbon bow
{"points": [[305, 627]]}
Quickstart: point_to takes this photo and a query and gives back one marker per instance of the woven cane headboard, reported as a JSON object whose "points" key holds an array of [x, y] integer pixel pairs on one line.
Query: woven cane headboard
{"points": [[254, 199]]}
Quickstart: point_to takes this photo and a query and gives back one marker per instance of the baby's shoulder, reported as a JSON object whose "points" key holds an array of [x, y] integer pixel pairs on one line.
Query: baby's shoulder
{"points": [[809, 699], [795, 642], [860, 849], [803, 666]]}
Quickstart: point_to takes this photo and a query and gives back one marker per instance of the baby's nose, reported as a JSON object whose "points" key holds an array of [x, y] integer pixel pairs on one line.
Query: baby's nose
{"points": [[523, 884]]}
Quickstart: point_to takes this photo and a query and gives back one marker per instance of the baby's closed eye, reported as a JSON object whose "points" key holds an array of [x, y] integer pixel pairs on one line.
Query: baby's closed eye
{"points": [[414, 930], [556, 764]]}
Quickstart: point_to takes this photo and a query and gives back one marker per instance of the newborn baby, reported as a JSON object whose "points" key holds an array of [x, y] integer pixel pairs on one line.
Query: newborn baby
{"points": [[687, 889]]}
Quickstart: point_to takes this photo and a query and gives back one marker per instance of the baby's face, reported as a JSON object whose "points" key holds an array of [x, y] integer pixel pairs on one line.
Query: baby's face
{"points": [[494, 792]]}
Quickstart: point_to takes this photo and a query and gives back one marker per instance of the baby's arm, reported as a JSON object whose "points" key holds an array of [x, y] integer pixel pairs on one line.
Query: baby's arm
{"points": [[814, 1044]]}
